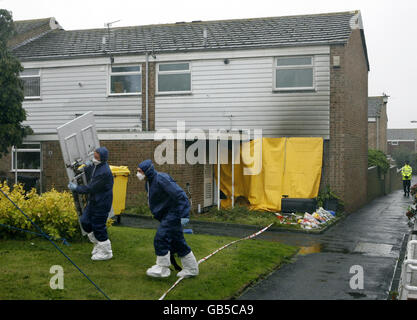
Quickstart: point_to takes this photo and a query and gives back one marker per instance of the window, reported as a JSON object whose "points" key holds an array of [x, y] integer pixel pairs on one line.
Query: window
{"points": [[174, 78], [394, 143], [125, 80], [31, 83], [27, 158], [294, 73]]}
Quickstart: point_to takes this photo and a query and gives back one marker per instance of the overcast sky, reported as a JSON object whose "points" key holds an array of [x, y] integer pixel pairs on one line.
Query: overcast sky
{"points": [[390, 30]]}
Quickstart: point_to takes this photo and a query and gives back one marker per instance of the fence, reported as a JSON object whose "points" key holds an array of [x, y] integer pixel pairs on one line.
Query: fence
{"points": [[382, 184]]}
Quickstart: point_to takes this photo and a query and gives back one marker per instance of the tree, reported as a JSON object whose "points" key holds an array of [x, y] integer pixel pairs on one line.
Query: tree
{"points": [[12, 113]]}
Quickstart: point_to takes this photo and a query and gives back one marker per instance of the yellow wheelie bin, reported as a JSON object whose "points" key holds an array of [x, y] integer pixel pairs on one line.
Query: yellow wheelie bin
{"points": [[121, 176]]}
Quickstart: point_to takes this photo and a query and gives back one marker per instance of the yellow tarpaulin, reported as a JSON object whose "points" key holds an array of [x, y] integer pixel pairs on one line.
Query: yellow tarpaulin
{"points": [[290, 166]]}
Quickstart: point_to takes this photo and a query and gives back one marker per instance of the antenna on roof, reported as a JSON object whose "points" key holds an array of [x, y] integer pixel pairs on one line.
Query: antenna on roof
{"points": [[108, 25]]}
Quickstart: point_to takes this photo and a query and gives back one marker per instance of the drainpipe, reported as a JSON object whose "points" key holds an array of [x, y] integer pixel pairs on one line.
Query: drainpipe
{"points": [[377, 132], [146, 90]]}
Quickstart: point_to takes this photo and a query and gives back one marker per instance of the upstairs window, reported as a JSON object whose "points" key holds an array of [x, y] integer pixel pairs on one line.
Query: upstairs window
{"points": [[294, 73], [31, 83], [125, 80], [174, 78]]}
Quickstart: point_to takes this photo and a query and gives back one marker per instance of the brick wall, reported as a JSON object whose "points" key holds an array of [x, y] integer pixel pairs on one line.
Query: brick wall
{"points": [[125, 153], [372, 135], [151, 96], [348, 146], [405, 145]]}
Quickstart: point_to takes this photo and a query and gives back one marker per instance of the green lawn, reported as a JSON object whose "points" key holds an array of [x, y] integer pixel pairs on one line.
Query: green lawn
{"points": [[25, 265]]}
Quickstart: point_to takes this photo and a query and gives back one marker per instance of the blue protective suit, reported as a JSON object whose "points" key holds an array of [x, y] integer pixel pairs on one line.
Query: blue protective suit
{"points": [[100, 191], [168, 204]]}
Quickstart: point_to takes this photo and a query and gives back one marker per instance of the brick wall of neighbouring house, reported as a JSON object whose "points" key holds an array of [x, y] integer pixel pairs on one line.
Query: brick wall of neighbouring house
{"points": [[125, 153], [151, 96], [371, 135], [383, 125], [404, 145], [348, 147]]}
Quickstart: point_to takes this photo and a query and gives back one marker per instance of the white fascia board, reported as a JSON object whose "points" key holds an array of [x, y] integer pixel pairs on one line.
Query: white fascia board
{"points": [[177, 56], [396, 140]]}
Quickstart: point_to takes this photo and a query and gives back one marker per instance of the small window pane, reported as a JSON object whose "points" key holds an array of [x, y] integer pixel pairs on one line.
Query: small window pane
{"points": [[294, 78], [126, 84], [174, 82], [173, 66], [28, 160], [295, 61], [126, 69], [31, 87], [30, 72]]}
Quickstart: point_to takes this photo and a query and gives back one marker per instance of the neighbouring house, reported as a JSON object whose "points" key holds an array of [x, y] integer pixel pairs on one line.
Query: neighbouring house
{"points": [[290, 76], [29, 30], [402, 139], [377, 123]]}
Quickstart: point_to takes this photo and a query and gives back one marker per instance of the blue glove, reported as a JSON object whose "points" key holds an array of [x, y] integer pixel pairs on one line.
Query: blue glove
{"points": [[72, 186], [184, 221]]}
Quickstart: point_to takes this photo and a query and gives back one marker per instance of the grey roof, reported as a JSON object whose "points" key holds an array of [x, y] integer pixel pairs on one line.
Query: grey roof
{"points": [[271, 32], [374, 106], [402, 134], [23, 26]]}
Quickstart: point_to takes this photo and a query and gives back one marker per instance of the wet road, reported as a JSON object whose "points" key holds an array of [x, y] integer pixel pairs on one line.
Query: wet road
{"points": [[370, 238]]}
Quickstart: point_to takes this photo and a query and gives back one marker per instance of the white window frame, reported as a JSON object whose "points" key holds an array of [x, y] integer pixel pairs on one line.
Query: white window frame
{"points": [[110, 74], [173, 72], [17, 151], [276, 67], [33, 76], [394, 143]]}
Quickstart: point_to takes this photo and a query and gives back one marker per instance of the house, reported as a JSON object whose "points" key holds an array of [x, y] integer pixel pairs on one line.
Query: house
{"points": [[290, 76], [402, 139], [377, 123], [28, 30]]}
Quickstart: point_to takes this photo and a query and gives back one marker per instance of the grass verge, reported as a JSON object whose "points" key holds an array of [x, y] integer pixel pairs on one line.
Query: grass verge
{"points": [[25, 265]]}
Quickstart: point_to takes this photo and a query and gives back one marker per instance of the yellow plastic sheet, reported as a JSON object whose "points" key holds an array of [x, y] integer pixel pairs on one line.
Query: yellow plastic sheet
{"points": [[290, 166]]}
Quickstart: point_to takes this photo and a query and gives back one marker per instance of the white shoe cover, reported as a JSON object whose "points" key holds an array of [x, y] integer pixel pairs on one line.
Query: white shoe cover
{"points": [[161, 269], [104, 251], [189, 266], [94, 241]]}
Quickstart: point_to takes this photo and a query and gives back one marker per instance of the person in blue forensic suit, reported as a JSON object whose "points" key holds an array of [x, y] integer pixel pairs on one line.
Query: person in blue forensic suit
{"points": [[169, 205], [95, 214]]}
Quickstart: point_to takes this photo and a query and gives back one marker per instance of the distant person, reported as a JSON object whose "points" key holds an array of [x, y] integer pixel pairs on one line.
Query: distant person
{"points": [[407, 173], [100, 191], [169, 205]]}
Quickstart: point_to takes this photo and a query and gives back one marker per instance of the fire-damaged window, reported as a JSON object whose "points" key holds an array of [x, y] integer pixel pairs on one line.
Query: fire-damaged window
{"points": [[125, 80], [31, 83], [174, 78], [27, 158], [294, 73]]}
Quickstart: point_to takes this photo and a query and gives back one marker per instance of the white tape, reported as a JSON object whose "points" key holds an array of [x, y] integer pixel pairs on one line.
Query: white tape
{"points": [[213, 253]]}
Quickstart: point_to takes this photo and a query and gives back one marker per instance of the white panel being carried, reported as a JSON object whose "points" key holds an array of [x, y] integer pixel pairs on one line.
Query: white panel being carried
{"points": [[78, 140]]}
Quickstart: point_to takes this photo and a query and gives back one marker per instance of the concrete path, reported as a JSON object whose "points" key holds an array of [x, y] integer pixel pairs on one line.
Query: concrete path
{"points": [[370, 238]]}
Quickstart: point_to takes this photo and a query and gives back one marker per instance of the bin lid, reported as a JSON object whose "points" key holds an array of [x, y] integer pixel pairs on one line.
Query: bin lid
{"points": [[120, 170]]}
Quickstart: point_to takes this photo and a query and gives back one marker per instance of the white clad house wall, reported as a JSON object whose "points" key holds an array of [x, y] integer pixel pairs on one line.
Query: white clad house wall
{"points": [[240, 95], [70, 90]]}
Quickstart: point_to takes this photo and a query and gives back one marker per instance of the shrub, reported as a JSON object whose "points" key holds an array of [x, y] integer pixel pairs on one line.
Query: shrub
{"points": [[140, 205], [54, 212], [379, 159]]}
